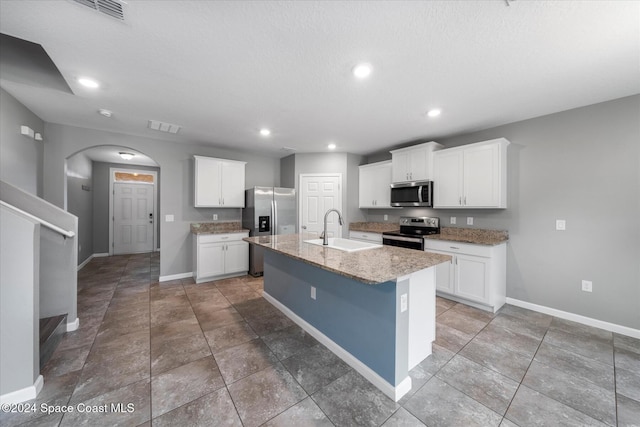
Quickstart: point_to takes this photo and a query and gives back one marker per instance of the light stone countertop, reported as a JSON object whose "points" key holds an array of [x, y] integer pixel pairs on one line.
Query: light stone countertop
{"points": [[221, 227], [476, 236], [370, 266], [374, 227]]}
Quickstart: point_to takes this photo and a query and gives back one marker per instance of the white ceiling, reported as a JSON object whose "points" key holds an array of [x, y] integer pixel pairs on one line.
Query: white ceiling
{"points": [[222, 70], [110, 154]]}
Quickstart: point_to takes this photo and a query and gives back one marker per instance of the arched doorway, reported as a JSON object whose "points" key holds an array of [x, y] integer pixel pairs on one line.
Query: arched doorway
{"points": [[89, 192]]}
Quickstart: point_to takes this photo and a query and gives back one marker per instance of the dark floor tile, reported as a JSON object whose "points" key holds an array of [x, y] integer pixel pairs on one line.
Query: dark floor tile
{"points": [[593, 349], [82, 337], [203, 304], [423, 372], [244, 359], [447, 303], [315, 368], [584, 331], [240, 297], [626, 343], [255, 308], [229, 336], [462, 321], [65, 361], [169, 310], [51, 420], [533, 317], [627, 359], [212, 410], [530, 408], [270, 323], [351, 400], [160, 291], [265, 394], [439, 404], [215, 319], [574, 364], [402, 418], [451, 338], [488, 387], [495, 357], [518, 342], [305, 413], [628, 383], [289, 341], [169, 354], [473, 313], [519, 325], [133, 342], [181, 385], [177, 329], [137, 395], [628, 412], [580, 394]]}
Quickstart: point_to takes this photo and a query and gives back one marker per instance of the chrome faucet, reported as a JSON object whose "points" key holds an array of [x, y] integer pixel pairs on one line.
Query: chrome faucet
{"points": [[323, 236]]}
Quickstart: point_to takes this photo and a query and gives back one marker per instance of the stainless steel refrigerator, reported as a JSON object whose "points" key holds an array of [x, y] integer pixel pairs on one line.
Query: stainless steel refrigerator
{"points": [[268, 211]]}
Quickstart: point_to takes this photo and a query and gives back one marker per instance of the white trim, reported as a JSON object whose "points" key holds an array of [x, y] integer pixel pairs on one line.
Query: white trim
{"points": [[393, 392], [72, 326], [23, 394], [40, 220], [175, 276], [112, 171], [92, 256], [612, 327]]}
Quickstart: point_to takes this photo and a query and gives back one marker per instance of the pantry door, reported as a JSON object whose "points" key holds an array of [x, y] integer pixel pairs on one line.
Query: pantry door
{"points": [[319, 193]]}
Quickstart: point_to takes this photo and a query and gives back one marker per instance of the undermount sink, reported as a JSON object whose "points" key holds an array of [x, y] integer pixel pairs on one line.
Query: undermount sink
{"points": [[345, 244]]}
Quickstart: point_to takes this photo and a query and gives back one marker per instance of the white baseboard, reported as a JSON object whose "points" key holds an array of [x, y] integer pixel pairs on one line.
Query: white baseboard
{"points": [[92, 256], [393, 392], [72, 326], [175, 276], [24, 394], [612, 327]]}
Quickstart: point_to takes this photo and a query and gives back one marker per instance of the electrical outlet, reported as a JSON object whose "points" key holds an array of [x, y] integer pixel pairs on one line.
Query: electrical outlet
{"points": [[452, 220], [587, 286], [168, 218], [403, 303], [215, 217], [469, 220], [313, 292], [386, 217], [561, 224]]}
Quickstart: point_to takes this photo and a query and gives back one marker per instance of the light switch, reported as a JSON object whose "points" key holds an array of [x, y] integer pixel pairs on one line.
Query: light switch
{"points": [[452, 220], [561, 224], [313, 292], [403, 303], [469, 220], [168, 218]]}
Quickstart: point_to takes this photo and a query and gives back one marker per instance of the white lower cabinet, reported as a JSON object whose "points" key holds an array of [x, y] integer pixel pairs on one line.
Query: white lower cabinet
{"points": [[218, 256], [366, 236], [476, 275]]}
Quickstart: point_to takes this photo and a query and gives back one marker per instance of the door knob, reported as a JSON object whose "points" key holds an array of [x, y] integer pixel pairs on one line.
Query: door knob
{"points": [[304, 227]]}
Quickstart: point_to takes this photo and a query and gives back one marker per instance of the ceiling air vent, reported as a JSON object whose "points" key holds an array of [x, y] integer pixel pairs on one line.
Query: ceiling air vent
{"points": [[163, 127], [113, 8]]}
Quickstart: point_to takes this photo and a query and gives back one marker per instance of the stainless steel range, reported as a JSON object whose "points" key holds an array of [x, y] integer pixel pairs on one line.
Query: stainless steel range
{"points": [[412, 232]]}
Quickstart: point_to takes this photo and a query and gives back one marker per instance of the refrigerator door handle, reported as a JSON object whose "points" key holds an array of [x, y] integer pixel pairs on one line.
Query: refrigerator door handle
{"points": [[275, 218]]}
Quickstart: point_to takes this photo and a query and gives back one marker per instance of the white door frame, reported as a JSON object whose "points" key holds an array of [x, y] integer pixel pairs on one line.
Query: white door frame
{"points": [[112, 172], [300, 197]]}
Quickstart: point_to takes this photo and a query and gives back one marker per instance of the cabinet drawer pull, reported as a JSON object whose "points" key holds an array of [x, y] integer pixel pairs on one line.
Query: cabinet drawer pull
{"points": [[454, 247]]}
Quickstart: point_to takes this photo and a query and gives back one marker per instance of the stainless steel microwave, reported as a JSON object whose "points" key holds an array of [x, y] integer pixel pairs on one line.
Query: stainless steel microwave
{"points": [[418, 193]]}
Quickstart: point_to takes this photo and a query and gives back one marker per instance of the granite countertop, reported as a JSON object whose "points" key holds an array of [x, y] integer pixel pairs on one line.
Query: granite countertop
{"points": [[374, 227], [475, 236], [371, 266], [221, 227]]}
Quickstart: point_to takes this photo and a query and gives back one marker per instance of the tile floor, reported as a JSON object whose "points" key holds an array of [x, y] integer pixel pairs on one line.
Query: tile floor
{"points": [[219, 354]]}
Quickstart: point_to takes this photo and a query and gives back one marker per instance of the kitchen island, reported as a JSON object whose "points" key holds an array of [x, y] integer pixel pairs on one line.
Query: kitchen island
{"points": [[374, 308]]}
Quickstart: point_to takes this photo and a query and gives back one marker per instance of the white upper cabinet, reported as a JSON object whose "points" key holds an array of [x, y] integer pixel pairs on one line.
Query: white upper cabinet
{"points": [[219, 183], [375, 185], [471, 176], [414, 163]]}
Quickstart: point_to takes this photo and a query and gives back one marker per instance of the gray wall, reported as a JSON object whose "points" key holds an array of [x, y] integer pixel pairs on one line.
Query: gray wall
{"points": [[20, 156], [288, 171], [345, 164], [100, 224], [176, 181], [80, 201], [581, 165]]}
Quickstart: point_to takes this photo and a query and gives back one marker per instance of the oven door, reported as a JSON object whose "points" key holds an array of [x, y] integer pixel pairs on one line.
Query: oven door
{"points": [[404, 242]]}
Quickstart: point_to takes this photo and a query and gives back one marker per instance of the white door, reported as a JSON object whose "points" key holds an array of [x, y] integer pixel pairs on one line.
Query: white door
{"points": [[319, 193], [132, 218]]}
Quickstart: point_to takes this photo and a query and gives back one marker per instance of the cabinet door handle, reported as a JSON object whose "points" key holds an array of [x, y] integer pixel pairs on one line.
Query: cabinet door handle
{"points": [[465, 200], [460, 200], [453, 247]]}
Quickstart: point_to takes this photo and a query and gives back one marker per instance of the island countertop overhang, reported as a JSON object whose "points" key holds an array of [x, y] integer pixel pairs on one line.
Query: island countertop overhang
{"points": [[371, 266]]}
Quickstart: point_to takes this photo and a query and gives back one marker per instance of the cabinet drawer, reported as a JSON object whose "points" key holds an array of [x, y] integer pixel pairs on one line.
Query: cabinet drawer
{"points": [[458, 248], [369, 237], [214, 238]]}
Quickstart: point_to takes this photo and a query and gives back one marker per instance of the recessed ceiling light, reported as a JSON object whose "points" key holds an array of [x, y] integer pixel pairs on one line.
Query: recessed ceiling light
{"points": [[87, 82], [106, 113], [265, 132], [434, 113], [331, 146], [126, 156], [362, 71]]}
